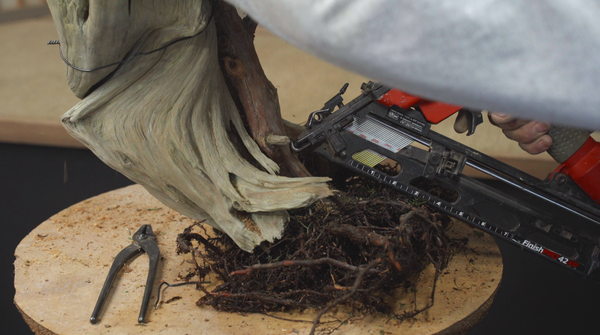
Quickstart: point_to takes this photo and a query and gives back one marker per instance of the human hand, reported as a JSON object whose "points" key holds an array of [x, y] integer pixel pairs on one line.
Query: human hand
{"points": [[531, 135]]}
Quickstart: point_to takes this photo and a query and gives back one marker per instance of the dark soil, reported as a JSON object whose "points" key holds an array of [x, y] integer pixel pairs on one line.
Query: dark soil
{"points": [[353, 248]]}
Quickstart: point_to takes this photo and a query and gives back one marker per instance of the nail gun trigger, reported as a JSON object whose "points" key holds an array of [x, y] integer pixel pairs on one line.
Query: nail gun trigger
{"points": [[475, 118]]}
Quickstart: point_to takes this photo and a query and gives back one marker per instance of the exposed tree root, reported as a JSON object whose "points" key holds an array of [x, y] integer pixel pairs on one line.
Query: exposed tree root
{"points": [[353, 249]]}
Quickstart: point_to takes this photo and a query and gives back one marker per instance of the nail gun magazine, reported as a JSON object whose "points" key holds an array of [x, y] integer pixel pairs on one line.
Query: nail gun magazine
{"points": [[385, 134]]}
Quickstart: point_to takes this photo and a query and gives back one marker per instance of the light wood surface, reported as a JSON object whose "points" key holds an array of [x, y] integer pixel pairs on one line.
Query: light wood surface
{"points": [[35, 93], [61, 265], [167, 121], [33, 89]]}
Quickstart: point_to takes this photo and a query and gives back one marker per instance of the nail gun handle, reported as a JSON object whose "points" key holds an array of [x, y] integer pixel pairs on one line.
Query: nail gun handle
{"points": [[579, 155], [566, 141]]}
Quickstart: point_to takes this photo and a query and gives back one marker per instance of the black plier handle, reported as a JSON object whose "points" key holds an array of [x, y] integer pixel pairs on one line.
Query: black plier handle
{"points": [[144, 240]]}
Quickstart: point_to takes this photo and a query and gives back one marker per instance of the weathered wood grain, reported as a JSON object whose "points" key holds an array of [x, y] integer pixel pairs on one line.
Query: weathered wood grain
{"points": [[167, 120], [253, 92]]}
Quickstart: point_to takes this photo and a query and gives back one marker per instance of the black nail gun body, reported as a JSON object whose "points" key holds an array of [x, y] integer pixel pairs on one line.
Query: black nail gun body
{"points": [[553, 218]]}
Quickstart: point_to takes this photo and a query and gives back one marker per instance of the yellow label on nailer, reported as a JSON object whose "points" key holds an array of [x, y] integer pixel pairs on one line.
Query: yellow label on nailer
{"points": [[368, 157]]}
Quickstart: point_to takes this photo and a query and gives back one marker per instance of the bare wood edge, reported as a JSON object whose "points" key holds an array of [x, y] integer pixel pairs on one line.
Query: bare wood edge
{"points": [[35, 327], [459, 328], [130, 206], [463, 326], [37, 133], [32, 12], [53, 134], [254, 94]]}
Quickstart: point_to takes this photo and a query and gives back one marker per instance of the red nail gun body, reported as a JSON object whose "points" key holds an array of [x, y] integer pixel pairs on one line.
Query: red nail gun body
{"points": [[553, 218], [582, 166]]}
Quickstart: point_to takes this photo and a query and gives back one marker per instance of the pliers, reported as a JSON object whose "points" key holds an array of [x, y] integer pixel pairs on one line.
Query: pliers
{"points": [[144, 240]]}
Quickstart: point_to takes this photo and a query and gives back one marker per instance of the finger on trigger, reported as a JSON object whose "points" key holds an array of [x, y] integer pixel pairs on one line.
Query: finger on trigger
{"points": [[507, 122], [461, 124], [498, 118]]}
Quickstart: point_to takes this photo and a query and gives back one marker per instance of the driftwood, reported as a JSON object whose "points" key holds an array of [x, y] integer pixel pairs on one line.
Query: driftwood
{"points": [[167, 121], [252, 91]]}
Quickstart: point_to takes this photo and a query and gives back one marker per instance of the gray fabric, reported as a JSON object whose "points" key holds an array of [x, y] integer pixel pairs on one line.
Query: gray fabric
{"points": [[534, 59]]}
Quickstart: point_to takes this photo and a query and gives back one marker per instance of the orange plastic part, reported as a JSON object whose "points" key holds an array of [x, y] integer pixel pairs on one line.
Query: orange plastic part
{"points": [[434, 112], [398, 98], [584, 168]]}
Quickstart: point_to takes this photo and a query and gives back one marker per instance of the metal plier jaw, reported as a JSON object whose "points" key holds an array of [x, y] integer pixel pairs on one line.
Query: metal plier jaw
{"points": [[144, 240]]}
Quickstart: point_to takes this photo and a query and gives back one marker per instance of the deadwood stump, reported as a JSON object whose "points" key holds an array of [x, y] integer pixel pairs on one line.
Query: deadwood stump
{"points": [[61, 265]]}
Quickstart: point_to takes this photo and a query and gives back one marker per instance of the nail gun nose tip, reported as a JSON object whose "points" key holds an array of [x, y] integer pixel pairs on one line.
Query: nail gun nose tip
{"points": [[140, 319], [93, 320]]}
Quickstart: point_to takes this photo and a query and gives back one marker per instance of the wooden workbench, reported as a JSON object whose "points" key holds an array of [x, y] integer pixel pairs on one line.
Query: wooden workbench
{"points": [[61, 265], [36, 93]]}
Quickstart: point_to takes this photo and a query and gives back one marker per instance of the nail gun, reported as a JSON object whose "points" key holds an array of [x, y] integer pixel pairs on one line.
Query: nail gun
{"points": [[385, 134]]}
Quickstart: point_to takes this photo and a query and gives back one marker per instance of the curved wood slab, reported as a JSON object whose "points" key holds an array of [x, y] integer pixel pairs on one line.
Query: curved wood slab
{"points": [[61, 265]]}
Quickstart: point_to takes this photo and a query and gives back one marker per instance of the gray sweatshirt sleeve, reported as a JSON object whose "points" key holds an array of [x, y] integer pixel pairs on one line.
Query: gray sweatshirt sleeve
{"points": [[533, 59]]}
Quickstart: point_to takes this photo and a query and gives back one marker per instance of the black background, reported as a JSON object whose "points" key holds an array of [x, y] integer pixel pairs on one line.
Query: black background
{"points": [[535, 297]]}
